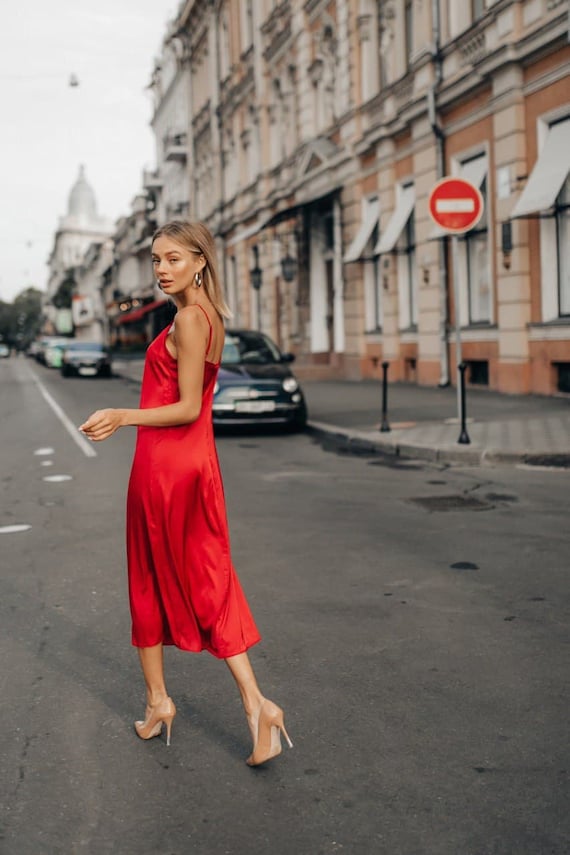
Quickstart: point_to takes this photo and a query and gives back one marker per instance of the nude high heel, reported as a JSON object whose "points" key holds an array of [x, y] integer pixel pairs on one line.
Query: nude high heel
{"points": [[163, 712], [268, 739]]}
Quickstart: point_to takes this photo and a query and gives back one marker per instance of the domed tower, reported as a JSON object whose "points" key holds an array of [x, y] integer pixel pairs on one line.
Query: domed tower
{"points": [[82, 204], [78, 229]]}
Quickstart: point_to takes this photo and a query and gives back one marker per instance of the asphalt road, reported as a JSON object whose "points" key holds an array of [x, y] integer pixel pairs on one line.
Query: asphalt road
{"points": [[421, 654]]}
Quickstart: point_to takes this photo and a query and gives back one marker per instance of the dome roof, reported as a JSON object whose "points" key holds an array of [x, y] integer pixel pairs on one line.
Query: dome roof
{"points": [[82, 199]]}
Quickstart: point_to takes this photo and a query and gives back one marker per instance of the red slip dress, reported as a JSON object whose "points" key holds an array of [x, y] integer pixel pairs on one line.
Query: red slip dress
{"points": [[183, 588]]}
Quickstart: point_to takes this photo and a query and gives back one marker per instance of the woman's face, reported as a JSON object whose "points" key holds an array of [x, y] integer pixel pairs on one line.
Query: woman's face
{"points": [[175, 266]]}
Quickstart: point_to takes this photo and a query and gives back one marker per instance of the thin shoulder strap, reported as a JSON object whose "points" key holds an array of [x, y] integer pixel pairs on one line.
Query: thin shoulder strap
{"points": [[209, 324]]}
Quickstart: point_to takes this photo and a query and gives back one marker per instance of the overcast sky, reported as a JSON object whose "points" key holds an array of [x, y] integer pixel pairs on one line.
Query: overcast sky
{"points": [[49, 128]]}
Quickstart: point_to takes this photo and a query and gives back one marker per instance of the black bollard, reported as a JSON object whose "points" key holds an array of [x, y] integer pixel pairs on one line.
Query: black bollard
{"points": [[385, 427], [463, 436]]}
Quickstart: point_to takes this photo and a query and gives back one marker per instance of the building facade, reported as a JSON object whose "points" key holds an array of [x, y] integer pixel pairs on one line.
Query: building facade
{"points": [[81, 232], [313, 132]]}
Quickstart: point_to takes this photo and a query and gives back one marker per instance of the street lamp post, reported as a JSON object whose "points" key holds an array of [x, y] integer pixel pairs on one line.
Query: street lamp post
{"points": [[256, 278]]}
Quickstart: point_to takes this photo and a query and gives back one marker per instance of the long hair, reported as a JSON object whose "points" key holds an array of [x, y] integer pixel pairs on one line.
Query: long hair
{"points": [[198, 238]]}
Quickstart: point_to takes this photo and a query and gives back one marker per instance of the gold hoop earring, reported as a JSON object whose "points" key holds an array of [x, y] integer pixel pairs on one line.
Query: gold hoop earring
{"points": [[198, 280]]}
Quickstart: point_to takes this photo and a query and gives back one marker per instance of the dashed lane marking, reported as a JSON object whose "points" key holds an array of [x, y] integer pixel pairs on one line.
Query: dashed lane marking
{"points": [[85, 446]]}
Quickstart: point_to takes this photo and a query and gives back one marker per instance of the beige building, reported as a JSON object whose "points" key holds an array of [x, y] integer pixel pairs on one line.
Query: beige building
{"points": [[314, 131]]}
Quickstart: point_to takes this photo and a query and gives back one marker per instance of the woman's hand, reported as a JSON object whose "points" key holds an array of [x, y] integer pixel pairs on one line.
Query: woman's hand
{"points": [[102, 424]]}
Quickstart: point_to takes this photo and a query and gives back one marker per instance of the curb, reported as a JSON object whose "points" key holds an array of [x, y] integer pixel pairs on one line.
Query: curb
{"points": [[358, 442]]}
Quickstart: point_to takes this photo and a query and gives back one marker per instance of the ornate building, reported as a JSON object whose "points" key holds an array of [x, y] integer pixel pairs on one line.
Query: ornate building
{"points": [[313, 132], [79, 231]]}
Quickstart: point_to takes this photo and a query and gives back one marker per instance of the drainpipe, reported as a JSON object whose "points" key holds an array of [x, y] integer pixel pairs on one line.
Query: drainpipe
{"points": [[215, 22], [440, 170]]}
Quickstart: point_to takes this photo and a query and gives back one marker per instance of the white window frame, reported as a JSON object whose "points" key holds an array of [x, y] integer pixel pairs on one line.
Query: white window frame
{"points": [[408, 280], [466, 242], [371, 272], [550, 263]]}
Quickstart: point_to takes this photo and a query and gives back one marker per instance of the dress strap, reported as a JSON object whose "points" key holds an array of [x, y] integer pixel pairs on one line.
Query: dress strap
{"points": [[209, 324]]}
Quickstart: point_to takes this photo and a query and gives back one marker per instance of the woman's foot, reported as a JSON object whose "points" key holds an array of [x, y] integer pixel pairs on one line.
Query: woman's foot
{"points": [[155, 716], [266, 725]]}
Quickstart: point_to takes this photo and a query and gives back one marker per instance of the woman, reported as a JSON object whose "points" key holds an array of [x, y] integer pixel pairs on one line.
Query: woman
{"points": [[183, 589]]}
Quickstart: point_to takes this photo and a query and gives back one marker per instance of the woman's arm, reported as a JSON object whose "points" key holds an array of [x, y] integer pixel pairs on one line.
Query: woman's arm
{"points": [[191, 343]]}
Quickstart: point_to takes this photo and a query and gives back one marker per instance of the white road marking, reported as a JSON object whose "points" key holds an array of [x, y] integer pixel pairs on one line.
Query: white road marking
{"points": [[454, 206], [47, 462], [56, 478], [83, 444], [13, 529], [43, 452]]}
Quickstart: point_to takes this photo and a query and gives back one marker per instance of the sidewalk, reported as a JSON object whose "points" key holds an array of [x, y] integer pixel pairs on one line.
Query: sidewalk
{"points": [[423, 421]]}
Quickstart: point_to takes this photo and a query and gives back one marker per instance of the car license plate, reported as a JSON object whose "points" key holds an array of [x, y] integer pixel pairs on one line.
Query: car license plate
{"points": [[255, 406], [87, 371]]}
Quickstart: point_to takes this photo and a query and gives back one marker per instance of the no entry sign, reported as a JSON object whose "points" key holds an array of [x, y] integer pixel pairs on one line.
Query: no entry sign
{"points": [[455, 205]]}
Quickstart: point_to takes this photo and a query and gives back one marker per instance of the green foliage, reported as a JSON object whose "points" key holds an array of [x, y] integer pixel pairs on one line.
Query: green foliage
{"points": [[20, 321]]}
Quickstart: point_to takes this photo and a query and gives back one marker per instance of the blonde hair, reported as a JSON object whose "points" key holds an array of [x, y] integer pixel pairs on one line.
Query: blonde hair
{"points": [[196, 237]]}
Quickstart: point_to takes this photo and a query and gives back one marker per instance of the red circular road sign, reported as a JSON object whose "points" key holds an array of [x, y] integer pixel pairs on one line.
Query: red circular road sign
{"points": [[455, 205]]}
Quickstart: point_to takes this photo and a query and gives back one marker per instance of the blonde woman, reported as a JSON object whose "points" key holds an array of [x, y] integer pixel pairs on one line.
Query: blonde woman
{"points": [[183, 588]]}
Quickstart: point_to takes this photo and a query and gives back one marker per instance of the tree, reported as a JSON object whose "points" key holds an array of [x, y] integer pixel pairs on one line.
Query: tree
{"points": [[20, 321]]}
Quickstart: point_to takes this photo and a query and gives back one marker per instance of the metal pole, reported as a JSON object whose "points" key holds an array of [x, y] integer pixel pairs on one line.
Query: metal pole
{"points": [[385, 426], [455, 254], [463, 436]]}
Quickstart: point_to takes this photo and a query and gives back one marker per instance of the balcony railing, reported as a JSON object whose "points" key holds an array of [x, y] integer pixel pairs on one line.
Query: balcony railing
{"points": [[176, 148]]}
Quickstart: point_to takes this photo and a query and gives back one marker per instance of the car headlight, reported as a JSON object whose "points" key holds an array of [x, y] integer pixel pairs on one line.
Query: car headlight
{"points": [[290, 384], [216, 387]]}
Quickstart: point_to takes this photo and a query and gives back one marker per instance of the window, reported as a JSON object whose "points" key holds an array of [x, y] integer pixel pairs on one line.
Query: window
{"points": [[477, 9], [477, 255], [377, 285], [409, 32], [563, 249], [411, 269], [246, 25]]}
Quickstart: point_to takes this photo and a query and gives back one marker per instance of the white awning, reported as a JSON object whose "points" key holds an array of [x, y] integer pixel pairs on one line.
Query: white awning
{"points": [[549, 173], [474, 171], [369, 221], [400, 217]]}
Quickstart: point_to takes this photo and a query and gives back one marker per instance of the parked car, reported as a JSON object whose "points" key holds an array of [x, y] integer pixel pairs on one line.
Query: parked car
{"points": [[87, 359], [4, 351], [255, 384], [33, 349], [53, 350]]}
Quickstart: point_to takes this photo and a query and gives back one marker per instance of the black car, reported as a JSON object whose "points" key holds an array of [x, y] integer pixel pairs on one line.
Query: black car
{"points": [[86, 358], [255, 384]]}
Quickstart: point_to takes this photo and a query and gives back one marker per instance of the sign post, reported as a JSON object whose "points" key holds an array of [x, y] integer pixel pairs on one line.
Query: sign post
{"points": [[456, 206]]}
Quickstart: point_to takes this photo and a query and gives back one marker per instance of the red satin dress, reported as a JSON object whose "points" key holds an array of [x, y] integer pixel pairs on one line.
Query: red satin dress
{"points": [[183, 588]]}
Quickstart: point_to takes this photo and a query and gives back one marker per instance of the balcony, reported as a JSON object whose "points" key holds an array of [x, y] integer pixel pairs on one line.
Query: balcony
{"points": [[152, 180], [176, 148]]}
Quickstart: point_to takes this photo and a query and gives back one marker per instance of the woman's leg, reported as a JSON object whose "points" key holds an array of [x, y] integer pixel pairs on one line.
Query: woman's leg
{"points": [[159, 707], [265, 719], [251, 696], [152, 663]]}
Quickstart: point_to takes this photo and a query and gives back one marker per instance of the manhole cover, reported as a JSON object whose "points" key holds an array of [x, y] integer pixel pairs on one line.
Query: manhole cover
{"points": [[451, 503], [500, 497]]}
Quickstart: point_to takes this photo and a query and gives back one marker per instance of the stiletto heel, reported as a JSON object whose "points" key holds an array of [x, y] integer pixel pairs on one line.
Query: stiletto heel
{"points": [[268, 738], [162, 713]]}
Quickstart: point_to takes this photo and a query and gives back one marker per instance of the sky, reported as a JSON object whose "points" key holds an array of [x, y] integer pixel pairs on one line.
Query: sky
{"points": [[48, 128]]}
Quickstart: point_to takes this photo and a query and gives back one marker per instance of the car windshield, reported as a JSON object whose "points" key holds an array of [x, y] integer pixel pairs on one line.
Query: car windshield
{"points": [[240, 347], [86, 345]]}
